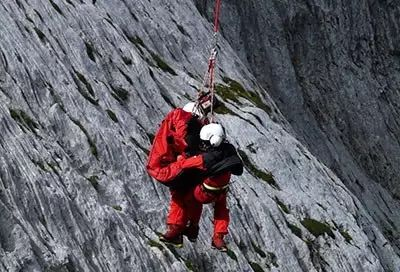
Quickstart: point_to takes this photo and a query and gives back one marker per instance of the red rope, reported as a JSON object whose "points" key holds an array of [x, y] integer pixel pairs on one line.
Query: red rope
{"points": [[209, 78], [217, 11], [213, 60]]}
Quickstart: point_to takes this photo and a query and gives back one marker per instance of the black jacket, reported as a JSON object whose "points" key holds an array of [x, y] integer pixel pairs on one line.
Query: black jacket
{"points": [[217, 160], [229, 161]]}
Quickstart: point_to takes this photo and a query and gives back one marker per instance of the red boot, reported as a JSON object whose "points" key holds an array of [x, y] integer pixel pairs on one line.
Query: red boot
{"points": [[173, 236], [191, 232], [218, 242]]}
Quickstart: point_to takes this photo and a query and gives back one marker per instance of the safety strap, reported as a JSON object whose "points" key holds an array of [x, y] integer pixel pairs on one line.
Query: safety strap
{"points": [[208, 86], [215, 189]]}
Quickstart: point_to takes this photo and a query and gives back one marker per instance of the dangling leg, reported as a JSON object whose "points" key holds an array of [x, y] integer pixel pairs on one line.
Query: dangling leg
{"points": [[198, 198], [221, 222], [194, 213], [176, 219]]}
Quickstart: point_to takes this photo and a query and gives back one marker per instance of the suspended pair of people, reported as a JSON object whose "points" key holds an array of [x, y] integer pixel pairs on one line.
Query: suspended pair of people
{"points": [[193, 158]]}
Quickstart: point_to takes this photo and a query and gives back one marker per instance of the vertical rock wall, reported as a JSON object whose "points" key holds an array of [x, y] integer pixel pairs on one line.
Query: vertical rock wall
{"points": [[83, 86]]}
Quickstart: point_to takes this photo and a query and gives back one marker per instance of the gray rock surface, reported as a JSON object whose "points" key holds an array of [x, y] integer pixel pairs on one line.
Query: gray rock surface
{"points": [[84, 84], [333, 69]]}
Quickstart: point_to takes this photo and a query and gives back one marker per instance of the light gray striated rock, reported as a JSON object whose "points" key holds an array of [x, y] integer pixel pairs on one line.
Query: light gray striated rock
{"points": [[83, 86], [333, 69]]}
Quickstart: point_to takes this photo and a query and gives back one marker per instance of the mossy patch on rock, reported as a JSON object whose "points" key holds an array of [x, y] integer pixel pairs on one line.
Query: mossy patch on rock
{"points": [[258, 250], [284, 208], [53, 167], [232, 255], [140, 45], [266, 176], [156, 244], [151, 137], [194, 77], [174, 252], [223, 109], [136, 41], [346, 235], [90, 51], [88, 94], [273, 259], [94, 181], [317, 228], [182, 30], [117, 207], [233, 90], [65, 267], [69, 2], [112, 115], [295, 230], [162, 64], [190, 265], [120, 94], [83, 79], [40, 164], [256, 267], [56, 7], [128, 78], [40, 34], [226, 93], [126, 60], [24, 120]]}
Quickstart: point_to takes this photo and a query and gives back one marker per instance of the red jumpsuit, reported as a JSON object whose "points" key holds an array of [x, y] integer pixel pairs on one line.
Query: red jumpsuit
{"points": [[168, 143], [203, 196], [192, 205], [163, 164]]}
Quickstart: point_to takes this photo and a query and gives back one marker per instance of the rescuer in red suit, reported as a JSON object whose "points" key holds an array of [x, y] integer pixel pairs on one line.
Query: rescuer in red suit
{"points": [[174, 155], [171, 141]]}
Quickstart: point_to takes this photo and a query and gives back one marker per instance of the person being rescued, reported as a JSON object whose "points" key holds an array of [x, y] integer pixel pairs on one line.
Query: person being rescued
{"points": [[212, 187], [178, 136]]}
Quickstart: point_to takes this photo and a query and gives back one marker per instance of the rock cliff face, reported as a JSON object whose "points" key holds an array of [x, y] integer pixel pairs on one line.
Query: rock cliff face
{"points": [[332, 67], [84, 84]]}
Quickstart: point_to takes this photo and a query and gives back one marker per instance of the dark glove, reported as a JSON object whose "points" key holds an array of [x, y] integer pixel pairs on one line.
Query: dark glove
{"points": [[212, 157]]}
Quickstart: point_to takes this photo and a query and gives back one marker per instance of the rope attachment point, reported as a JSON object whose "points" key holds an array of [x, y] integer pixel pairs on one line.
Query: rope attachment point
{"points": [[207, 90]]}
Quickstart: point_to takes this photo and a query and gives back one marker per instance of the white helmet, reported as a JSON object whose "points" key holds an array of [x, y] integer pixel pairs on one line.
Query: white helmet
{"points": [[192, 108], [214, 133]]}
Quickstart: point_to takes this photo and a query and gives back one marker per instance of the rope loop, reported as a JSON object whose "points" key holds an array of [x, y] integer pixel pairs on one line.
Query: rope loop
{"points": [[208, 86]]}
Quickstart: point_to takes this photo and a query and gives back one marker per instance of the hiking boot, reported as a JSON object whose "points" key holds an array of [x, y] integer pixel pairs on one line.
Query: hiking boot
{"points": [[191, 232], [173, 236], [218, 242]]}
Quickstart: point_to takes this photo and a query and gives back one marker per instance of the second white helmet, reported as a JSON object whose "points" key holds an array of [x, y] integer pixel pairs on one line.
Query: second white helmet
{"points": [[214, 133], [194, 109]]}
